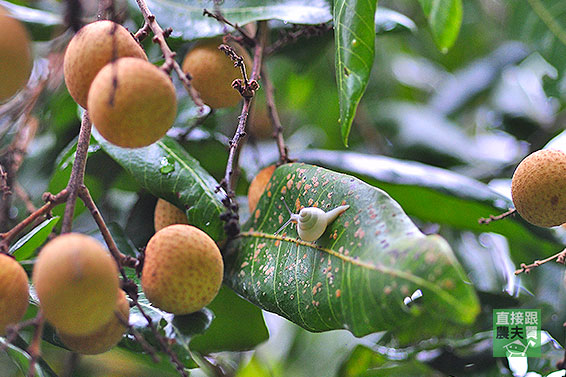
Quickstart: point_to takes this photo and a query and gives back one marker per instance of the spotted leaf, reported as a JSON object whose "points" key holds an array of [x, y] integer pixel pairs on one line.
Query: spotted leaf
{"points": [[359, 273]]}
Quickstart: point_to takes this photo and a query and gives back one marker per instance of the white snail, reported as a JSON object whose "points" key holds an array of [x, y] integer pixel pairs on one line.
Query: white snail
{"points": [[312, 221]]}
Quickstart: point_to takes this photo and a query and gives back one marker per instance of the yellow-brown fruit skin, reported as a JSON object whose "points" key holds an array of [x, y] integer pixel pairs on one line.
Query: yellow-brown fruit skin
{"points": [[538, 188], [105, 338], [14, 292], [167, 214], [90, 50], [257, 187], [212, 73], [76, 281], [139, 110], [183, 269], [15, 56]]}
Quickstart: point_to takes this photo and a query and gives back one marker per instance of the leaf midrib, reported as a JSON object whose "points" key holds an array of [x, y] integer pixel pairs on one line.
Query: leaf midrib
{"points": [[444, 295]]}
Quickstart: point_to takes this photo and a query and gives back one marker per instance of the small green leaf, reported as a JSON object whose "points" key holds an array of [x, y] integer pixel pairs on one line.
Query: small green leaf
{"points": [[183, 182], [28, 244], [354, 35], [445, 19], [358, 273]]}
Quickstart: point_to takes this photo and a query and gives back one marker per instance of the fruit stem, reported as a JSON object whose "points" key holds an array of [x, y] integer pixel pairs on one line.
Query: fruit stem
{"points": [[170, 63], [34, 349], [274, 117], [121, 259], [77, 173]]}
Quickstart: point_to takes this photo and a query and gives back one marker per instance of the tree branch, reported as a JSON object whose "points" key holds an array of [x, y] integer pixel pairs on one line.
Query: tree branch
{"points": [[170, 64], [526, 268], [231, 174], [34, 349], [121, 259], [249, 40], [77, 173], [51, 201], [497, 218], [274, 116], [162, 341]]}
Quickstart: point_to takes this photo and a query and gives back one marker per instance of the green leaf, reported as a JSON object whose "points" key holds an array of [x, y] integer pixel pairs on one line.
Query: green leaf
{"points": [[354, 35], [440, 196], [358, 273], [178, 328], [445, 19], [237, 326], [364, 362], [28, 244], [20, 357], [387, 20], [186, 18], [541, 25], [167, 171]]}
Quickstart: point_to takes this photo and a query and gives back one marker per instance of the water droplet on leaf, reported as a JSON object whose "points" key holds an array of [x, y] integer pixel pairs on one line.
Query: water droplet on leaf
{"points": [[167, 165]]}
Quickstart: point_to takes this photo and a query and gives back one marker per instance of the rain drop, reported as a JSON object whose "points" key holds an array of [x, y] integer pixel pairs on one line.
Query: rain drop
{"points": [[167, 165]]}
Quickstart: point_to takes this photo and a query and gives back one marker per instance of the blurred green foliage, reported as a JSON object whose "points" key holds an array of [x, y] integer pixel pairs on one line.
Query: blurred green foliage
{"points": [[476, 109]]}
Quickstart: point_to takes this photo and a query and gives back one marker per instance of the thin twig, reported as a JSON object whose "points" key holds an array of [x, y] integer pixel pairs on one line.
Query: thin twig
{"points": [[77, 173], [162, 341], [121, 259], [526, 268], [159, 36], [274, 116], [491, 218], [24, 197], [4, 185], [293, 35], [13, 330], [230, 175], [12, 160], [51, 201], [249, 40], [34, 349], [139, 338]]}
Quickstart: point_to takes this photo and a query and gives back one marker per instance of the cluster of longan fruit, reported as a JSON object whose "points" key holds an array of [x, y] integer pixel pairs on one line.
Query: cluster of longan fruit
{"points": [[537, 188], [78, 288], [131, 102]]}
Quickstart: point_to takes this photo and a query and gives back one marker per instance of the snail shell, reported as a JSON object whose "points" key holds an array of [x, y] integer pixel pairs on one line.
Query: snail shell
{"points": [[312, 221]]}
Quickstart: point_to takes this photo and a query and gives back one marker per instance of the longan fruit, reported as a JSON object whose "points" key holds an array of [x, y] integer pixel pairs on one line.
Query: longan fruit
{"points": [[538, 188], [15, 56], [257, 187], [106, 337], [182, 270], [77, 283], [212, 72], [167, 214], [14, 292], [94, 46], [132, 103]]}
